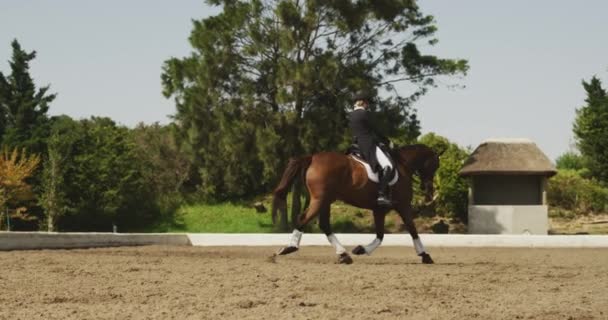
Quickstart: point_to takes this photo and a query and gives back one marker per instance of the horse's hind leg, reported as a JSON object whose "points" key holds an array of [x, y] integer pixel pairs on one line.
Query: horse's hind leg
{"points": [[296, 236], [406, 215]]}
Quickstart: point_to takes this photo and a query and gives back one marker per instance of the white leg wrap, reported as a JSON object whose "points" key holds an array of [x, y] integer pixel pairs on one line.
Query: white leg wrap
{"points": [[419, 247], [372, 246], [337, 245], [296, 236]]}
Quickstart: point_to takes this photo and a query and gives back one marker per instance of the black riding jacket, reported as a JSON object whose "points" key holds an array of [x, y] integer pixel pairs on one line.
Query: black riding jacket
{"points": [[365, 136]]}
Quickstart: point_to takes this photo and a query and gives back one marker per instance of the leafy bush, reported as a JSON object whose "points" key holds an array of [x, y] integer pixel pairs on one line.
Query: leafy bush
{"points": [[568, 190], [574, 161], [570, 161]]}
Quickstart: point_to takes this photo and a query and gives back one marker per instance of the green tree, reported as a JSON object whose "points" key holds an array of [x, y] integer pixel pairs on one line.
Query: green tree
{"points": [[56, 163], [272, 79], [102, 179], [164, 167], [591, 130], [23, 108]]}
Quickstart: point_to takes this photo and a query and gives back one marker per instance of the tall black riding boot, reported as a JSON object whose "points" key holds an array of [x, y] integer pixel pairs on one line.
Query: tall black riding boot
{"points": [[383, 194]]}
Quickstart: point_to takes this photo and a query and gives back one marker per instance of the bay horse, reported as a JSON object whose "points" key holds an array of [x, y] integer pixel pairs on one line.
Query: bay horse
{"points": [[331, 176]]}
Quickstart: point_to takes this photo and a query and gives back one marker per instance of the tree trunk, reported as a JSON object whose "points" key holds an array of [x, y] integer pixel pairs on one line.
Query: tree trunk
{"points": [[8, 221], [50, 222]]}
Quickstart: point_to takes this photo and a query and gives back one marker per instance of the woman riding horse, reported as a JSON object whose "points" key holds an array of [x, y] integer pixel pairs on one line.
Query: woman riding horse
{"points": [[367, 137], [331, 176]]}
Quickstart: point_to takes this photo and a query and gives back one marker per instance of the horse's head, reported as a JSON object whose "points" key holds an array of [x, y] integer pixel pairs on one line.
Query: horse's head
{"points": [[423, 161], [426, 173]]}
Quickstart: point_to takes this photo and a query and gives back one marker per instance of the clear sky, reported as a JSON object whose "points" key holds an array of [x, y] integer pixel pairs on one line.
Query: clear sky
{"points": [[527, 59]]}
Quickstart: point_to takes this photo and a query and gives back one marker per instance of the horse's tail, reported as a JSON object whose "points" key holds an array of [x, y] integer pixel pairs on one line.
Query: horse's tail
{"points": [[294, 167]]}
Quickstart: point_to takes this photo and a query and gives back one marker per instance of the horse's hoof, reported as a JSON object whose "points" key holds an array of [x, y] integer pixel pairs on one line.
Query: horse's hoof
{"points": [[344, 258], [287, 250], [359, 250], [426, 258]]}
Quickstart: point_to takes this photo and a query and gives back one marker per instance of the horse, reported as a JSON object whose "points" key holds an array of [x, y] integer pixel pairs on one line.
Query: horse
{"points": [[331, 176]]}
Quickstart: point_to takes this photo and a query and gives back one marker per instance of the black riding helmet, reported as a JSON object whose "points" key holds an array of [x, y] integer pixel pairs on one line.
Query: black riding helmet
{"points": [[362, 95]]}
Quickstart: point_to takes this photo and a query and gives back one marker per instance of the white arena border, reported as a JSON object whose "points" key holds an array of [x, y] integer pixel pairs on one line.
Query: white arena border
{"points": [[45, 240], [429, 240], [73, 240]]}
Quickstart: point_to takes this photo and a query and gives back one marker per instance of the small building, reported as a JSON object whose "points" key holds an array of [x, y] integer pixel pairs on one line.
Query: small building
{"points": [[507, 193]]}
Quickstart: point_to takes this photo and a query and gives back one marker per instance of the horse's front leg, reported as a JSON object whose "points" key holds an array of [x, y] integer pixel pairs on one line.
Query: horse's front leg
{"points": [[324, 224], [379, 216], [406, 215]]}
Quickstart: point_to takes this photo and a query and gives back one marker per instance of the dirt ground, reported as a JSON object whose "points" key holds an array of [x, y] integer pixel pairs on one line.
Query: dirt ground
{"points": [[242, 283]]}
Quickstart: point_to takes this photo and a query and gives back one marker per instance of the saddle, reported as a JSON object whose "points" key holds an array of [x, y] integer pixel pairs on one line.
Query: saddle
{"points": [[354, 152]]}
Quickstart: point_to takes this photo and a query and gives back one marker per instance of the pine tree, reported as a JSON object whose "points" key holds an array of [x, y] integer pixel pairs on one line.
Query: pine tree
{"points": [[23, 108], [591, 130]]}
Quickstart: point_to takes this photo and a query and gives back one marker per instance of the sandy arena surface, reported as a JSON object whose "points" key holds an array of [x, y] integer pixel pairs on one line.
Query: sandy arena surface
{"points": [[242, 283]]}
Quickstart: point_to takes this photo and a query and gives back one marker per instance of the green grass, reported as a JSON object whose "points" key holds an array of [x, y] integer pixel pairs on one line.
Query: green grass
{"points": [[242, 218], [582, 224], [220, 218]]}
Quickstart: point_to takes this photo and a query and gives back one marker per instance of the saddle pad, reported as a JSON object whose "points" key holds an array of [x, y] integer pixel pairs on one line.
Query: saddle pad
{"points": [[374, 176]]}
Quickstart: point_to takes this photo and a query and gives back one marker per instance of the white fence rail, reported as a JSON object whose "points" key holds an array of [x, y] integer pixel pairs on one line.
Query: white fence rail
{"points": [[44, 240]]}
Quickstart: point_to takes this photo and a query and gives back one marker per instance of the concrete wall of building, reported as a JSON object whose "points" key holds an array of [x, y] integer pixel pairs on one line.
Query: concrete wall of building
{"points": [[507, 190], [487, 219]]}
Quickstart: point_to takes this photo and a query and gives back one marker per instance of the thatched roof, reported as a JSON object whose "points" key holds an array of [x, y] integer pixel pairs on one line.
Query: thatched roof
{"points": [[508, 156]]}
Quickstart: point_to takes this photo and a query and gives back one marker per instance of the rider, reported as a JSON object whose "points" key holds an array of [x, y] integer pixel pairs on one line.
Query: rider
{"points": [[367, 138]]}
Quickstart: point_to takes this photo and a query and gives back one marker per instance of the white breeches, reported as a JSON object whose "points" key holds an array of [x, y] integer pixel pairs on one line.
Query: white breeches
{"points": [[382, 159]]}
